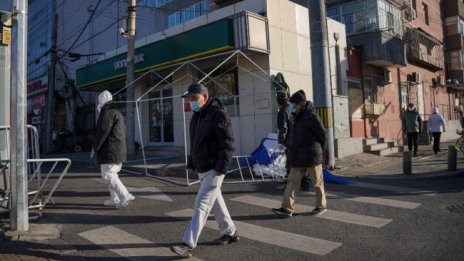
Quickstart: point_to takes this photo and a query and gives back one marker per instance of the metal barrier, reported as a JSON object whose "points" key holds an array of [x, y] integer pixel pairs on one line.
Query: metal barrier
{"points": [[245, 167], [36, 183]]}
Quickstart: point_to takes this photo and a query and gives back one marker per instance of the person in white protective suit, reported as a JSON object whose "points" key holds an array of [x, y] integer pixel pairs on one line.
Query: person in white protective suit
{"points": [[109, 144]]}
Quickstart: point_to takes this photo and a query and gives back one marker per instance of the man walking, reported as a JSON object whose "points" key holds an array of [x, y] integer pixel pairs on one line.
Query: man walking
{"points": [[284, 122], [412, 125], [307, 142], [110, 145], [211, 147]]}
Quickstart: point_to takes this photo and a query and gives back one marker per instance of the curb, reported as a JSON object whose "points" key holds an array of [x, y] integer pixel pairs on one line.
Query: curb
{"points": [[449, 174]]}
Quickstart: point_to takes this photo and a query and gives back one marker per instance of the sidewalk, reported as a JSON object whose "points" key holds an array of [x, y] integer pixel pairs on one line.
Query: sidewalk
{"points": [[426, 164]]}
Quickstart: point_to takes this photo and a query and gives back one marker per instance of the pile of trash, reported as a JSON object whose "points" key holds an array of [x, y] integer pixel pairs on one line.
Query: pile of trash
{"points": [[268, 160]]}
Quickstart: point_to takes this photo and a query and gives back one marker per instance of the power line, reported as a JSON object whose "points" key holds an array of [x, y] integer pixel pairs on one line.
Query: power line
{"points": [[83, 29], [99, 33]]}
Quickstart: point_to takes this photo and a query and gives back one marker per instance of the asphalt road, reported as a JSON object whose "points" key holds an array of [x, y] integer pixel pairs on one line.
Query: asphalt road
{"points": [[377, 219]]}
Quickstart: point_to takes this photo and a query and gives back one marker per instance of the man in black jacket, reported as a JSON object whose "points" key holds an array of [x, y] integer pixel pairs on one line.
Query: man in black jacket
{"points": [[211, 147], [307, 141], [284, 123], [110, 145]]}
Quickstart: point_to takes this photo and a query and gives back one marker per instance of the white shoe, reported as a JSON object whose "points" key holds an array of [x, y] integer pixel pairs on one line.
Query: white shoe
{"points": [[123, 203], [110, 203]]}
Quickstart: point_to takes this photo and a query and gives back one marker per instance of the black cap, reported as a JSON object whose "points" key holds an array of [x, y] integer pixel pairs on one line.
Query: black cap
{"points": [[195, 88], [298, 97]]}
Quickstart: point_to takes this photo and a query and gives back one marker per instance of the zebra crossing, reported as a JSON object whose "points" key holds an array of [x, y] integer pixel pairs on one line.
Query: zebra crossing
{"points": [[135, 248]]}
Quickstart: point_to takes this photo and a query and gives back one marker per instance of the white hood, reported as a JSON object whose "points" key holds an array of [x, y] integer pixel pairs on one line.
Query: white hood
{"points": [[103, 98]]}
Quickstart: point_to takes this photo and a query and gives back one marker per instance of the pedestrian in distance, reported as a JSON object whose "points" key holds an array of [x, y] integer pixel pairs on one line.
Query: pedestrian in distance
{"points": [[436, 125], [412, 126], [284, 122], [307, 141], [211, 147], [109, 144]]}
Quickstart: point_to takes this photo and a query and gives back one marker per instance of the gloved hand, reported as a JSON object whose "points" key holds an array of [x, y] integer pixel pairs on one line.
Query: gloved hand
{"points": [[92, 154]]}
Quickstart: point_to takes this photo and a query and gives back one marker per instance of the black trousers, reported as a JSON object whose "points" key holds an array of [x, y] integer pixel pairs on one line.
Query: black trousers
{"points": [[436, 141], [413, 138]]}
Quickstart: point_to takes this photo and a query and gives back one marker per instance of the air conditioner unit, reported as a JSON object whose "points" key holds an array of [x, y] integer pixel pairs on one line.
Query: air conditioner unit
{"points": [[441, 80], [415, 77], [410, 14], [386, 76]]}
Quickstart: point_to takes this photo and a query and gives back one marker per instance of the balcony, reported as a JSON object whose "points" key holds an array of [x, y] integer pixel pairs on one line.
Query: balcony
{"points": [[402, 4], [424, 50], [380, 48]]}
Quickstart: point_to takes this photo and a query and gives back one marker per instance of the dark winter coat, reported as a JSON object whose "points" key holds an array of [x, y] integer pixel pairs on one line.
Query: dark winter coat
{"points": [[110, 139], [284, 121], [307, 138], [412, 121], [211, 138]]}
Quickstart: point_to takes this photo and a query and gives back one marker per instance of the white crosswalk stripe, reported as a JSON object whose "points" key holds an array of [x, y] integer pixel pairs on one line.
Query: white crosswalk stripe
{"points": [[399, 190], [127, 245], [145, 192], [371, 200], [330, 214], [271, 236]]}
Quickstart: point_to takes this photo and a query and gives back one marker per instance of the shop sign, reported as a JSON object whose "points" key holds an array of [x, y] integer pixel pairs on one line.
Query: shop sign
{"points": [[123, 63], [35, 86], [38, 101]]}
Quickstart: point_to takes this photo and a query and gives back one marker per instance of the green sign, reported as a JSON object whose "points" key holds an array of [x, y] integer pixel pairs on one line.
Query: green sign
{"points": [[211, 38]]}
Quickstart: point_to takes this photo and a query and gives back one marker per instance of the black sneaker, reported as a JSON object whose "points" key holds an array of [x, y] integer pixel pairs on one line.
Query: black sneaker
{"points": [[227, 239], [183, 250], [282, 211], [318, 211]]}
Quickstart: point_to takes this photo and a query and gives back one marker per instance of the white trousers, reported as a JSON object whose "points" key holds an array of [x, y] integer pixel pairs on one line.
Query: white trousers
{"points": [[209, 199], [109, 174]]}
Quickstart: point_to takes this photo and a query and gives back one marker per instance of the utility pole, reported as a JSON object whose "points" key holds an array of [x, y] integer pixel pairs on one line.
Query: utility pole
{"points": [[51, 81], [321, 75], [19, 216], [5, 90], [130, 122]]}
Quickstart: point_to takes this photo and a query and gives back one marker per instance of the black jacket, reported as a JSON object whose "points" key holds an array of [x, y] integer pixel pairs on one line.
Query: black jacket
{"points": [[284, 122], [211, 138], [307, 138], [110, 139]]}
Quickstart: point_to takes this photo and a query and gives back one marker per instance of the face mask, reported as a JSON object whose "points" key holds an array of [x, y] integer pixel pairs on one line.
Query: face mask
{"points": [[195, 105], [410, 109], [291, 108]]}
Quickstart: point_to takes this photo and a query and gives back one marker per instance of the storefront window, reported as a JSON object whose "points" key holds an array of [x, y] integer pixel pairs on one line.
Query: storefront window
{"points": [[161, 116]]}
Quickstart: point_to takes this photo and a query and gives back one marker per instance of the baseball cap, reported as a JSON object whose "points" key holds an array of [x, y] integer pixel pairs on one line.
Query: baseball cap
{"points": [[195, 88]]}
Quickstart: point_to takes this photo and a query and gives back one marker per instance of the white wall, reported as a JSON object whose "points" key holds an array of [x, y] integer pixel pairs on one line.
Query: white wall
{"points": [[290, 45]]}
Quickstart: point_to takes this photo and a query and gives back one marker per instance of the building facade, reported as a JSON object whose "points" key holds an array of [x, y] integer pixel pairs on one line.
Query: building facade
{"points": [[396, 56], [83, 31], [271, 35], [454, 34]]}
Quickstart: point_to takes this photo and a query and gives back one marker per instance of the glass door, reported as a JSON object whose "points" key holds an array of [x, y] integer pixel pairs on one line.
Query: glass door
{"points": [[161, 117]]}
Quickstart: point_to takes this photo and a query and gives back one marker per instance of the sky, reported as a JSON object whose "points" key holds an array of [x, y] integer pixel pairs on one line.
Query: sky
{"points": [[6, 5]]}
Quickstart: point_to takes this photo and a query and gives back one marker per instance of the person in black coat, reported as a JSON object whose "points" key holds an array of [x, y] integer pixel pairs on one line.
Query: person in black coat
{"points": [[110, 145], [284, 123], [306, 139], [211, 147]]}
